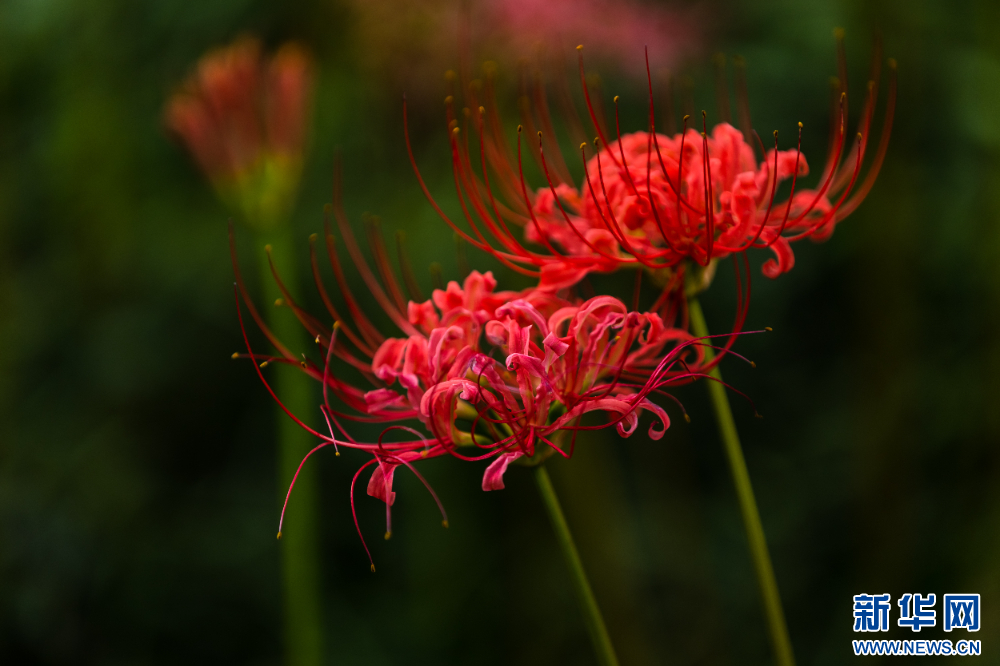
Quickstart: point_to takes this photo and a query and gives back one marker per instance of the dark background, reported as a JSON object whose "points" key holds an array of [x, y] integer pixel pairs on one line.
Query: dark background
{"points": [[138, 494]]}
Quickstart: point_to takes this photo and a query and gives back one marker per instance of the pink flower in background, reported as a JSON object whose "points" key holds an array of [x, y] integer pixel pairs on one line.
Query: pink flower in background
{"points": [[243, 117], [614, 32], [414, 42]]}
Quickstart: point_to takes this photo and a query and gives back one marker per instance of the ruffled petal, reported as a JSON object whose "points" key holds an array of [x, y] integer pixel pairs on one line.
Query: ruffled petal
{"points": [[423, 315], [380, 399], [493, 477], [560, 276], [783, 262], [380, 484]]}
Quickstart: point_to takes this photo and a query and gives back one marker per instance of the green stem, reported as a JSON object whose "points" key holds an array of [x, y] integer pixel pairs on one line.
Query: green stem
{"points": [[780, 641], [299, 544], [588, 604]]}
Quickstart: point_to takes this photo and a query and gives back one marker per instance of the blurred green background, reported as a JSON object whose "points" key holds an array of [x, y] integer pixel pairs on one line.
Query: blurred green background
{"points": [[138, 498]]}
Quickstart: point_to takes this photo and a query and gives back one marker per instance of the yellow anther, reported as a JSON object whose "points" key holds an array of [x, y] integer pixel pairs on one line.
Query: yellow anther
{"points": [[336, 324], [450, 75], [579, 47], [316, 340], [519, 128], [583, 145], [303, 364], [279, 534], [278, 302], [312, 238], [373, 568], [444, 523], [768, 329], [337, 454], [539, 134], [388, 535], [454, 130], [687, 417], [800, 124], [616, 99], [686, 116], [775, 134], [267, 248], [423, 453], [235, 355], [264, 364], [449, 99], [482, 109], [752, 364]]}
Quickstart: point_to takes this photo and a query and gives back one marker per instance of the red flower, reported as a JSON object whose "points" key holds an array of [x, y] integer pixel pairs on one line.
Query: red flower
{"points": [[649, 200], [481, 374], [243, 118]]}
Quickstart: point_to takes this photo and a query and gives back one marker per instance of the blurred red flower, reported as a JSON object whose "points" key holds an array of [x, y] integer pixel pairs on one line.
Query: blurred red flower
{"points": [[243, 117]]}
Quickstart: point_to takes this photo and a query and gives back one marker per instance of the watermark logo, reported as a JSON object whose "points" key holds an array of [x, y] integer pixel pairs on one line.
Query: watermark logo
{"points": [[871, 612], [917, 611], [961, 611]]}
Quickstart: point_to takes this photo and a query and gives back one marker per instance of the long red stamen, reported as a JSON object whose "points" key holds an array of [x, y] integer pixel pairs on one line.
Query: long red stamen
{"points": [[377, 245], [362, 347], [621, 151], [883, 146], [508, 238], [288, 495], [527, 201], [354, 513], [367, 329], [552, 188], [791, 195]]}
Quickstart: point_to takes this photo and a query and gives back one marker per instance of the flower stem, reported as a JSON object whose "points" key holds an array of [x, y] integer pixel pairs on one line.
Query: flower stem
{"points": [[585, 596], [780, 641], [298, 545]]}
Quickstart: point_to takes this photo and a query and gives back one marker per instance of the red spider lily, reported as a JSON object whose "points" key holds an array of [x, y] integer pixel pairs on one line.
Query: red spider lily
{"points": [[481, 374], [243, 118], [648, 200]]}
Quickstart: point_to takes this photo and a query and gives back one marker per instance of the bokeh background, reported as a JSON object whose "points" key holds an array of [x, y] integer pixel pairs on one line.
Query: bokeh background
{"points": [[138, 493]]}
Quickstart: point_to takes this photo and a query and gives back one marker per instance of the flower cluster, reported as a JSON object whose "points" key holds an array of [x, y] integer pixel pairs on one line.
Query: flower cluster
{"points": [[481, 374], [244, 118]]}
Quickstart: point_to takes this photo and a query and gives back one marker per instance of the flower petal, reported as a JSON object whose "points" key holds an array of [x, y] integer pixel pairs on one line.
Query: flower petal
{"points": [[493, 477]]}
